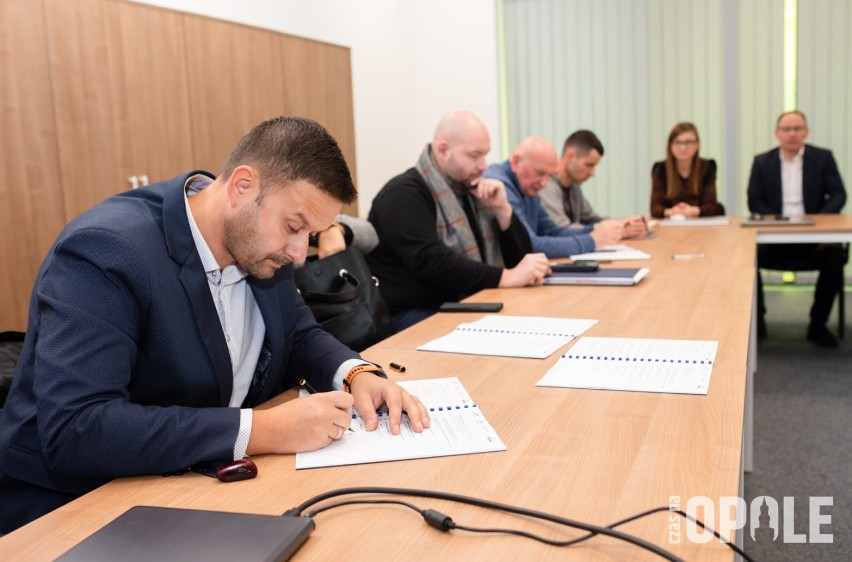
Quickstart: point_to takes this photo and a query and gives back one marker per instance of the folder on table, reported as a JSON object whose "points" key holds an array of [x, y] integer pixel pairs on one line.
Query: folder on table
{"points": [[603, 276]]}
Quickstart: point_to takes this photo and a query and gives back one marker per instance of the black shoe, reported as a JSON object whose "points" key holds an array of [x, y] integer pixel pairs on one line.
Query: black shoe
{"points": [[761, 328], [821, 336]]}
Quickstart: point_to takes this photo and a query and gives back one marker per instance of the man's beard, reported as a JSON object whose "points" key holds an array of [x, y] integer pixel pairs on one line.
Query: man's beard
{"points": [[245, 245], [463, 185]]}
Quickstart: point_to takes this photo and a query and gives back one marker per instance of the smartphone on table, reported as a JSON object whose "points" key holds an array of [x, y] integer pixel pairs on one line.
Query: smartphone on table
{"points": [[579, 265]]}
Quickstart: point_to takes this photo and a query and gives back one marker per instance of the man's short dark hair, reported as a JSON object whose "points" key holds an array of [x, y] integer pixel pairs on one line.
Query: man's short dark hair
{"points": [[582, 142], [287, 149]]}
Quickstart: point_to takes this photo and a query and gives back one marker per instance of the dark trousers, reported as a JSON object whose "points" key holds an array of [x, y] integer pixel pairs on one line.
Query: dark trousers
{"points": [[829, 259], [21, 503]]}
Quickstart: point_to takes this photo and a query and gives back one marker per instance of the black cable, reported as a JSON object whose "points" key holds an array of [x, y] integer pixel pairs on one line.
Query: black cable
{"points": [[689, 517], [444, 523], [356, 502], [297, 511], [539, 538]]}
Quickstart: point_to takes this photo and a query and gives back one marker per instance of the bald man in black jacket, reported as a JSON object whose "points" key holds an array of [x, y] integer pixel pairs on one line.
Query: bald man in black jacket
{"points": [[796, 179]]}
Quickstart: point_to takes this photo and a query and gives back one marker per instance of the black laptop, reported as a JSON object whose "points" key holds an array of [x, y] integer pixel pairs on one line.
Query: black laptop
{"points": [[776, 220], [161, 533]]}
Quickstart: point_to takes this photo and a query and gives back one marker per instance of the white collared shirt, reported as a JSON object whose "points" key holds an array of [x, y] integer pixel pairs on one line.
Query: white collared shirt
{"points": [[793, 203], [242, 322], [238, 313]]}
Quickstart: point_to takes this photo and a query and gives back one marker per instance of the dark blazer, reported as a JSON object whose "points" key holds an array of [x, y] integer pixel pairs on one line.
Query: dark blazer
{"points": [[822, 188], [125, 369]]}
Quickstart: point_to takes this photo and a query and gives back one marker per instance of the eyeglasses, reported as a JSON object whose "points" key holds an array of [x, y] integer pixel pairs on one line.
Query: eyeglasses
{"points": [[792, 129], [689, 142]]}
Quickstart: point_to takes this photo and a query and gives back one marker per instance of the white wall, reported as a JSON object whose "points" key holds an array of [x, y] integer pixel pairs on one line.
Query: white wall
{"points": [[412, 62]]}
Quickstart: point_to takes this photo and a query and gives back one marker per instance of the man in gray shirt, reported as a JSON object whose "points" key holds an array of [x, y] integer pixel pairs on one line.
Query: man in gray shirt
{"points": [[563, 197]]}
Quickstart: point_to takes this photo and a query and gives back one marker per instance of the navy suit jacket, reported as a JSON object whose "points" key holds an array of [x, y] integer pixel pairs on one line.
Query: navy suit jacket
{"points": [[125, 369], [822, 188]]}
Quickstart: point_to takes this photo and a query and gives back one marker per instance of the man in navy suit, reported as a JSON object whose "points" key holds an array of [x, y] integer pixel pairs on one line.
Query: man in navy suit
{"points": [[797, 179], [162, 316]]}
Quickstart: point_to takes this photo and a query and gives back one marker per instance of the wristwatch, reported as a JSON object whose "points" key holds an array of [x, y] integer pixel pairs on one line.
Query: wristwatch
{"points": [[357, 370]]}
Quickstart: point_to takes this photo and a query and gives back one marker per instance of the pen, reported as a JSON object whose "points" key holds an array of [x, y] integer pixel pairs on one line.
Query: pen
{"points": [[311, 390], [307, 386], [687, 256], [397, 367]]}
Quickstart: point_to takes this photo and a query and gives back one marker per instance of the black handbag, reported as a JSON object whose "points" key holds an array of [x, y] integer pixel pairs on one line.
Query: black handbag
{"points": [[345, 298]]}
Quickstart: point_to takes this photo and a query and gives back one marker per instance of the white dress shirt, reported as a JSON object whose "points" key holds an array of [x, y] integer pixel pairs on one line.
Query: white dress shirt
{"points": [[791, 184], [242, 322], [238, 313]]}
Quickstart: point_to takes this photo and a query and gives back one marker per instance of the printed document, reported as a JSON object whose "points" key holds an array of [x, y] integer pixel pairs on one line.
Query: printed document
{"points": [[640, 365], [533, 337], [458, 427]]}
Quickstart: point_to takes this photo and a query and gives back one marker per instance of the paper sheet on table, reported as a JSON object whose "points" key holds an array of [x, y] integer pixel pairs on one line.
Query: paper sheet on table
{"points": [[458, 427], [533, 337], [640, 365], [613, 252]]}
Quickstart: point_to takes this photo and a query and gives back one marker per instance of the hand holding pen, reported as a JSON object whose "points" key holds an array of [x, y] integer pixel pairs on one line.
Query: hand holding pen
{"points": [[303, 383], [307, 424]]}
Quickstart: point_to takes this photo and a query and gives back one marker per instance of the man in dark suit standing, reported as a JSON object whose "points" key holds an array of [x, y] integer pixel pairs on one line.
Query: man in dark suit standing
{"points": [[797, 179], [161, 317]]}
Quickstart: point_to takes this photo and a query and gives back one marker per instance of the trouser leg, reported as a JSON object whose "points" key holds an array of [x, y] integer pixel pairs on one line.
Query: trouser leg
{"points": [[830, 259]]}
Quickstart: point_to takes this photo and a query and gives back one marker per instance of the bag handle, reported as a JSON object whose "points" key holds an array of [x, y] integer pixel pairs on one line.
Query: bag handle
{"points": [[343, 296]]}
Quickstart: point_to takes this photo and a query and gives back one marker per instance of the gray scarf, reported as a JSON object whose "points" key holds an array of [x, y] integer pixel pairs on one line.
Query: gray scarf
{"points": [[451, 221]]}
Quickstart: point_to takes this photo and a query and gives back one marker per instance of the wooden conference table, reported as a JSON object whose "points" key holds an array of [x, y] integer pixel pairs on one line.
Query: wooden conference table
{"points": [[589, 455]]}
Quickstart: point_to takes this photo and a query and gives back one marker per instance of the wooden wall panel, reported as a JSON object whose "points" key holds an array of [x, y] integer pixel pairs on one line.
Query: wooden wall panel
{"points": [[318, 85], [235, 83], [120, 96], [95, 91], [31, 210], [151, 42]]}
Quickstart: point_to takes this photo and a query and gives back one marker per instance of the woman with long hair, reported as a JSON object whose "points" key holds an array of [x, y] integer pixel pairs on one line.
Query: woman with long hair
{"points": [[684, 184]]}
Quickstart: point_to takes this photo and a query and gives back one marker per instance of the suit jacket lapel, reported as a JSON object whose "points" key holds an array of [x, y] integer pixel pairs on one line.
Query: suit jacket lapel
{"points": [[182, 250], [808, 173], [774, 182]]}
